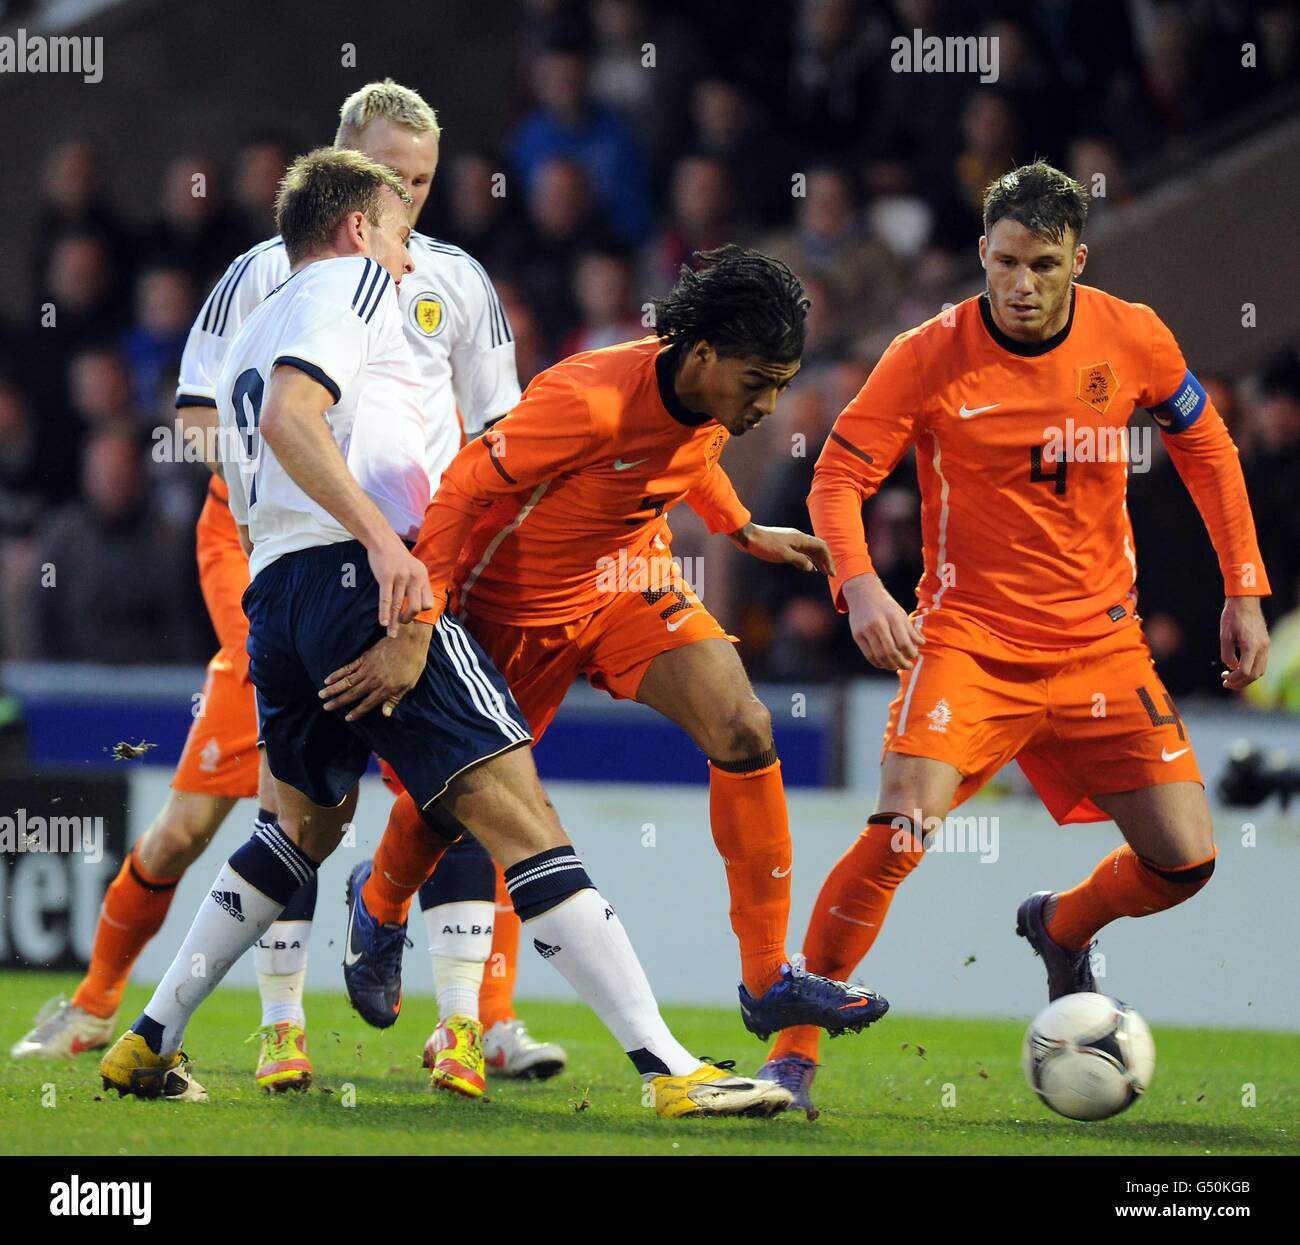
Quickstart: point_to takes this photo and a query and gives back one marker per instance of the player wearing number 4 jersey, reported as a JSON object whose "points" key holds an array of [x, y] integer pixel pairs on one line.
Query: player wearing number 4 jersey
{"points": [[1026, 642], [553, 530]]}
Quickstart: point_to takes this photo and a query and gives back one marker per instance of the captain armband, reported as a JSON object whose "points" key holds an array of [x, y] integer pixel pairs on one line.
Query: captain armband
{"points": [[1179, 412]]}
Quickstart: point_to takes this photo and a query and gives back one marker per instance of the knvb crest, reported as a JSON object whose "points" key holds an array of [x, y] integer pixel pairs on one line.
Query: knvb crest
{"points": [[1096, 386], [714, 451]]}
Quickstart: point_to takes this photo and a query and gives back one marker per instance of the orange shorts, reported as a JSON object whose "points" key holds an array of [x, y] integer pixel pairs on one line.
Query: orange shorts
{"points": [[220, 755], [1093, 720], [613, 647]]}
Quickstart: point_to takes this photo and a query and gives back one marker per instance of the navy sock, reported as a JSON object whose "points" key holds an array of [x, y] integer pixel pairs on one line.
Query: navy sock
{"points": [[537, 884]]}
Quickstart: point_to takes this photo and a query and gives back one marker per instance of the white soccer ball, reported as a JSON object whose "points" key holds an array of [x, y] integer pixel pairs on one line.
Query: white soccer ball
{"points": [[1088, 1056]]}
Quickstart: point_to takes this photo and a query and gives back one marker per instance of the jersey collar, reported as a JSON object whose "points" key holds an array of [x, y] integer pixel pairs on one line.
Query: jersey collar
{"points": [[665, 370], [1027, 349]]}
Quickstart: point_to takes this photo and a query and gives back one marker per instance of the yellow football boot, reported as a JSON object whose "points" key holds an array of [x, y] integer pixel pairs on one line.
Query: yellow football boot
{"points": [[712, 1089], [282, 1061], [454, 1055], [130, 1067]]}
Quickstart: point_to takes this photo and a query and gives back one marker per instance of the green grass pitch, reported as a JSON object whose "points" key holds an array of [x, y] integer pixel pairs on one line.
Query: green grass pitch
{"points": [[881, 1092]]}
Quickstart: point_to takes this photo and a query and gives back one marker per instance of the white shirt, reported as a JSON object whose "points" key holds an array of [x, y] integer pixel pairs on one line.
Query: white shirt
{"points": [[339, 322], [452, 318]]}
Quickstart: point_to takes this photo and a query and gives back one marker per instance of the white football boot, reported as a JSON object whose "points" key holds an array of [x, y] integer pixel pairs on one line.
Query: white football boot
{"points": [[61, 1031], [511, 1051]]}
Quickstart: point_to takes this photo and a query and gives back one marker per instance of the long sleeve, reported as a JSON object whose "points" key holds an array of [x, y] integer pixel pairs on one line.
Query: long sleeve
{"points": [[1206, 459], [544, 436], [715, 501], [866, 443]]}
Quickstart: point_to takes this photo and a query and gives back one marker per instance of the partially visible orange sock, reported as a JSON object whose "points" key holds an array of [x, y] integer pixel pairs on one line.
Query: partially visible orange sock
{"points": [[403, 861], [1123, 884], [496, 995], [751, 828], [851, 909], [135, 906]]}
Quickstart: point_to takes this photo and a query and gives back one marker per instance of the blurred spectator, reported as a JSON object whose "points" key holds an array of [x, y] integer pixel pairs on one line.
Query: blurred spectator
{"points": [[261, 162], [642, 66], [165, 308], [760, 163], [1094, 161], [480, 215], [831, 240], [567, 122], [701, 217], [1272, 473], [94, 604], [24, 496], [602, 287], [838, 43], [193, 229], [72, 200], [561, 225]]}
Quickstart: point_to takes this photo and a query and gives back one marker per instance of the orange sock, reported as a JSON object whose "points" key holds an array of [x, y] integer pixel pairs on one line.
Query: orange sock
{"points": [[403, 861], [850, 910], [135, 906], [497, 993], [1123, 884], [751, 829]]}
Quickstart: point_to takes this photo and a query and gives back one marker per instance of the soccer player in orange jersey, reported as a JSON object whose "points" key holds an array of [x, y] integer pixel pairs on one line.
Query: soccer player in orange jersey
{"points": [[552, 531], [1026, 642]]}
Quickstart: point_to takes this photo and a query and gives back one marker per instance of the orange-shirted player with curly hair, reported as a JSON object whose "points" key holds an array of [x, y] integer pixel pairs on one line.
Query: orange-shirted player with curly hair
{"points": [[1026, 642], [552, 529]]}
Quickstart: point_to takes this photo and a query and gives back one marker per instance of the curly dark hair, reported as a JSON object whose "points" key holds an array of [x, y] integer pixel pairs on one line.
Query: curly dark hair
{"points": [[1046, 201], [743, 303]]}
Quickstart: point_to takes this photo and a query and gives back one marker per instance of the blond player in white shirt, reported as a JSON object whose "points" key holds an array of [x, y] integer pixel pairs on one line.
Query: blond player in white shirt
{"points": [[463, 346]]}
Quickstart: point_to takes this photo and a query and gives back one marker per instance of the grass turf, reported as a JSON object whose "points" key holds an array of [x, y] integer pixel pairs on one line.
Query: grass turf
{"points": [[879, 1092]]}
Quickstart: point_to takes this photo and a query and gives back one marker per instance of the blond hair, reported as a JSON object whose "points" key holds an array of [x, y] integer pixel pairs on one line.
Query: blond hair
{"points": [[321, 189], [386, 100]]}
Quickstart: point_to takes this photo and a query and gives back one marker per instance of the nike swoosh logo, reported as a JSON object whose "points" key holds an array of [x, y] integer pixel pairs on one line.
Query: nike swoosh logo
{"points": [[620, 465], [844, 1007], [782, 873], [851, 920], [350, 957], [1166, 755], [678, 623], [966, 411]]}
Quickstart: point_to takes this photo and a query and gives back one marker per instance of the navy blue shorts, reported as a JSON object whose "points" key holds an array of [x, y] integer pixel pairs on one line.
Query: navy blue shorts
{"points": [[315, 610]]}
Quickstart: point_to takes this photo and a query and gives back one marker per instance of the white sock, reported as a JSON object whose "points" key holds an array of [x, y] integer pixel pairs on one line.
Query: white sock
{"points": [[587, 943], [281, 959], [460, 941], [231, 918]]}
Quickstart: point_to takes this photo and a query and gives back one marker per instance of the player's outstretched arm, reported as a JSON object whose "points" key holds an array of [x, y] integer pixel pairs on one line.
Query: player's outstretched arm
{"points": [[293, 426], [784, 544], [1206, 459]]}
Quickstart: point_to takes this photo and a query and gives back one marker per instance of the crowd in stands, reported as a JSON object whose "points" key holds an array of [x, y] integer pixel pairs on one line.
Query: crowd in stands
{"points": [[642, 133]]}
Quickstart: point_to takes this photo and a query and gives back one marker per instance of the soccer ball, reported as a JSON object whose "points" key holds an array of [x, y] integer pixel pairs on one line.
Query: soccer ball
{"points": [[1088, 1056]]}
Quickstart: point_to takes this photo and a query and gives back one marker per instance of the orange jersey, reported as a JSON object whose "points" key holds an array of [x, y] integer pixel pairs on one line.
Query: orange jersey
{"points": [[223, 566], [1021, 456], [531, 519]]}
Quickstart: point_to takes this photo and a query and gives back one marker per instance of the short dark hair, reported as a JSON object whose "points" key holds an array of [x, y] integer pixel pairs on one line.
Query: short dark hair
{"points": [[743, 303], [1046, 201], [323, 187]]}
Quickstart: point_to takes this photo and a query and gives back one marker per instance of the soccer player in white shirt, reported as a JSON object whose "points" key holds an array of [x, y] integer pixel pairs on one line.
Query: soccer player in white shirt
{"points": [[327, 481], [463, 346]]}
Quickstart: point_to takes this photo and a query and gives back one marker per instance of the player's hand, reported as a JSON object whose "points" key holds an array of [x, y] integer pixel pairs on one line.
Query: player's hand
{"points": [[403, 583], [786, 544], [382, 675], [880, 626], [1243, 642]]}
